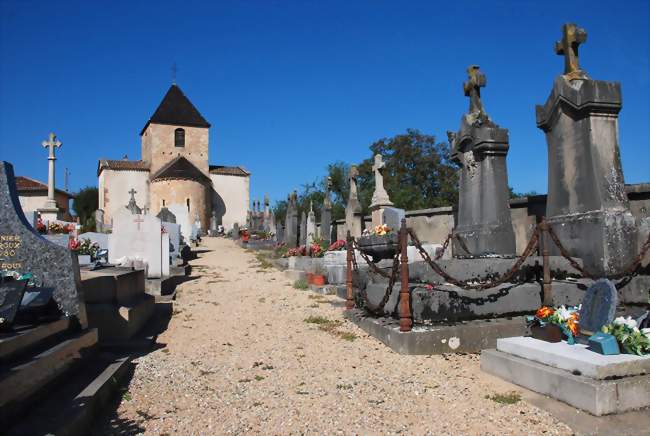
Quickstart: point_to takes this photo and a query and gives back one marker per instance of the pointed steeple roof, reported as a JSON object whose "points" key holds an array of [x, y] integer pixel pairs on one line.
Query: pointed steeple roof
{"points": [[176, 109]]}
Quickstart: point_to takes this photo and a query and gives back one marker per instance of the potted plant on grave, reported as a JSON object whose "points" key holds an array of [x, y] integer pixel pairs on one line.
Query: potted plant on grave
{"points": [[380, 242], [554, 324], [631, 339], [318, 277], [86, 250]]}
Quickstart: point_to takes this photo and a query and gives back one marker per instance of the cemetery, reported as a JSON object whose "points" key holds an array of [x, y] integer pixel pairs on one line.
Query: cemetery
{"points": [[188, 306]]}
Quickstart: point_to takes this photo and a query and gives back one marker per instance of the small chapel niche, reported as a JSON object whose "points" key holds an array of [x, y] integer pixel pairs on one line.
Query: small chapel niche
{"points": [[179, 138]]}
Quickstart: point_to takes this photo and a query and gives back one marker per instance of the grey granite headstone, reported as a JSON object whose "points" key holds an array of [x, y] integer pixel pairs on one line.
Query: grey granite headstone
{"points": [[586, 205], [393, 217], [235, 231], [480, 147], [291, 221], [279, 235], [303, 228], [598, 306], [166, 216], [24, 250], [11, 294]]}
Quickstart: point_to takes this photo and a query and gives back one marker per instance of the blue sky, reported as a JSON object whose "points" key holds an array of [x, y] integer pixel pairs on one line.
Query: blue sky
{"points": [[292, 86]]}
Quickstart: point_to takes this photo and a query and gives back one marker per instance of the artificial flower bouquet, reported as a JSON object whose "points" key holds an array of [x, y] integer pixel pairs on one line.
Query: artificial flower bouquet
{"points": [[567, 319], [380, 230], [59, 228], [339, 245], [296, 251], [630, 337], [317, 248]]}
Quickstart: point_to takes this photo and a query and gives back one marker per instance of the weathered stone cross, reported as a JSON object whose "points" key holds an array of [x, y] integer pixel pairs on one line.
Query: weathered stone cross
{"points": [[354, 173], [380, 196], [133, 192], [472, 88], [52, 143], [572, 37]]}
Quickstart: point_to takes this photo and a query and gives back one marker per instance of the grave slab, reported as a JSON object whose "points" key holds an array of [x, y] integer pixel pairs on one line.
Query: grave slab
{"points": [[598, 397], [460, 337], [576, 359]]}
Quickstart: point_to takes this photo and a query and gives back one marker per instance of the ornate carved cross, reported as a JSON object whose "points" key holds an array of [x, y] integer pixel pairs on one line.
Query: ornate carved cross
{"points": [[472, 88], [572, 37], [52, 143]]}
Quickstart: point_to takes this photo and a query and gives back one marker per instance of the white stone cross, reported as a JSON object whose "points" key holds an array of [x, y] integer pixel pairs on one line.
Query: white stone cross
{"points": [[52, 143], [380, 196]]}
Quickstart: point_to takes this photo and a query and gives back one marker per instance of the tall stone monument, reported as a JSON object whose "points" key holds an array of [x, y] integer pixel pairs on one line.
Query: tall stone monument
{"points": [[310, 228], [586, 205], [50, 211], [380, 196], [303, 228], [291, 221], [326, 214], [480, 147], [353, 215]]}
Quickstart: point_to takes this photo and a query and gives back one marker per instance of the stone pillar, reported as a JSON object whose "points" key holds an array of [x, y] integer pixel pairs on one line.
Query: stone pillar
{"points": [[291, 221], [310, 227], [353, 215], [303, 228], [50, 211], [326, 214], [480, 148], [586, 204]]}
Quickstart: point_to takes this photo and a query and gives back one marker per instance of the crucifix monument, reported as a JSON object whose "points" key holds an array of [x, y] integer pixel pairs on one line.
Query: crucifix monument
{"points": [[480, 147], [586, 205], [50, 211], [380, 196]]}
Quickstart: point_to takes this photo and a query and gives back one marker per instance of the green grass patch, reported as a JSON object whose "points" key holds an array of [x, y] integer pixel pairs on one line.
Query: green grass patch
{"points": [[507, 398], [347, 336], [301, 284], [317, 320], [259, 377]]}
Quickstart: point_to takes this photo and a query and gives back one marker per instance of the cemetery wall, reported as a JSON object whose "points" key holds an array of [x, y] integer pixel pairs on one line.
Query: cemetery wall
{"points": [[120, 183], [233, 191], [178, 192], [158, 146], [433, 225], [35, 201]]}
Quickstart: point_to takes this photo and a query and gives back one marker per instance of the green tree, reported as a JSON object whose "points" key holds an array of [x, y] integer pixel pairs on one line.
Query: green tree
{"points": [[85, 203]]}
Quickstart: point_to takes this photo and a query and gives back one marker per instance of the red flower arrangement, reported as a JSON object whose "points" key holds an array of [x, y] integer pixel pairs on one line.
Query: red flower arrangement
{"points": [[337, 245]]}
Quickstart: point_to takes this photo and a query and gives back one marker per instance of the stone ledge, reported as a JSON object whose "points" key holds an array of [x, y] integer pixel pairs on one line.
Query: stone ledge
{"points": [[598, 397], [461, 337], [576, 359]]}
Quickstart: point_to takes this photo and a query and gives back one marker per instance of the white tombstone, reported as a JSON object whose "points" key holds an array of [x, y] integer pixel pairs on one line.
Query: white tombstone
{"points": [[100, 238], [311, 227], [139, 238], [182, 219]]}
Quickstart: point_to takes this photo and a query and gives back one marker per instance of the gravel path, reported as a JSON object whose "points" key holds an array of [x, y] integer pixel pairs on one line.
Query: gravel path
{"points": [[240, 358]]}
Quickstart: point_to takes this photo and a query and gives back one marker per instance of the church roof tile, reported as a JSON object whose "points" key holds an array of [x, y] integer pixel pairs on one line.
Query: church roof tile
{"points": [[181, 168], [229, 171], [176, 109], [26, 184], [122, 165]]}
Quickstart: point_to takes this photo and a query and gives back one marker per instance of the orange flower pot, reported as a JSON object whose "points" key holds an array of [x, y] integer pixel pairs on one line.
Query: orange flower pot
{"points": [[318, 280]]}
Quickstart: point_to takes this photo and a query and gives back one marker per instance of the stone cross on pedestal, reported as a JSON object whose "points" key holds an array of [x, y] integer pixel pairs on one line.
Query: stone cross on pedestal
{"points": [[380, 196], [472, 88], [572, 37], [133, 206], [52, 143], [354, 173]]}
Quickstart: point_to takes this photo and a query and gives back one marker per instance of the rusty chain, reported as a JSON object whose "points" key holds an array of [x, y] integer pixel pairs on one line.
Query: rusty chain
{"points": [[532, 245], [370, 263], [629, 271], [444, 247], [462, 244]]}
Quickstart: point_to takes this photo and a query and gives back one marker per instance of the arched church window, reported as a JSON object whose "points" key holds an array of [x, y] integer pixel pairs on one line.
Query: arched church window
{"points": [[179, 137]]}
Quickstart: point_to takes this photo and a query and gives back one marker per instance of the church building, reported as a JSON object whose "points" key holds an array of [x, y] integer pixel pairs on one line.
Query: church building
{"points": [[174, 172]]}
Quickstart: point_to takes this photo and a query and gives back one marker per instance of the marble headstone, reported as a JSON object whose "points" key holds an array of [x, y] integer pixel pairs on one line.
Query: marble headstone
{"points": [[138, 237], [24, 250], [393, 217], [182, 219], [174, 232], [598, 305]]}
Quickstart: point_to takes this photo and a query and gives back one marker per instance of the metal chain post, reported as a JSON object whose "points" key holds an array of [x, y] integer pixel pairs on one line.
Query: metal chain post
{"points": [[405, 318]]}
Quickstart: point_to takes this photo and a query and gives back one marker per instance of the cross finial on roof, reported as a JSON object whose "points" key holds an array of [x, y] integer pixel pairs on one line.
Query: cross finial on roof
{"points": [[472, 88], [174, 71], [572, 37]]}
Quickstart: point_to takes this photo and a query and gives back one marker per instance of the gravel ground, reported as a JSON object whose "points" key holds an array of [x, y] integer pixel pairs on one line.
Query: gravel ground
{"points": [[239, 357]]}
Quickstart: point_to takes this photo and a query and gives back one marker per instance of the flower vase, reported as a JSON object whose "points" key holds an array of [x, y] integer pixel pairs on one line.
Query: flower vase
{"points": [[547, 332]]}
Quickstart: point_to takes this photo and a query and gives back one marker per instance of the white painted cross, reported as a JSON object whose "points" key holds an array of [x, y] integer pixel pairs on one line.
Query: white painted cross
{"points": [[52, 143]]}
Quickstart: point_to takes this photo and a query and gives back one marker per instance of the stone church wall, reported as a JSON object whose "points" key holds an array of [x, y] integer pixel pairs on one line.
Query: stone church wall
{"points": [[179, 192], [158, 146], [114, 187], [233, 191]]}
